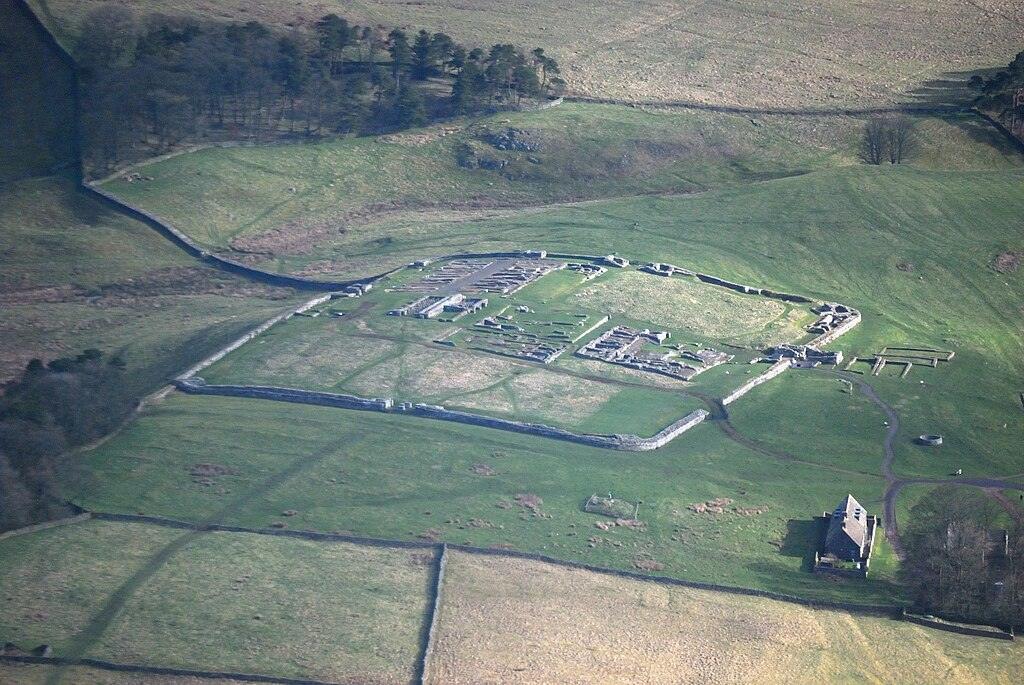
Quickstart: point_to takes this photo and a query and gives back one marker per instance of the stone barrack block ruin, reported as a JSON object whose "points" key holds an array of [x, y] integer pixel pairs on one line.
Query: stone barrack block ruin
{"points": [[624, 346]]}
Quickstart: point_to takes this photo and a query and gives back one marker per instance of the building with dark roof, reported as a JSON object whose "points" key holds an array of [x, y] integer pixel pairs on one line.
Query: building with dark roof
{"points": [[849, 539], [847, 534]]}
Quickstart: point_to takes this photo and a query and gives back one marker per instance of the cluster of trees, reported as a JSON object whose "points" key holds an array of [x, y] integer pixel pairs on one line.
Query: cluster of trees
{"points": [[956, 564], [1002, 94], [888, 139], [68, 402], [151, 82]]}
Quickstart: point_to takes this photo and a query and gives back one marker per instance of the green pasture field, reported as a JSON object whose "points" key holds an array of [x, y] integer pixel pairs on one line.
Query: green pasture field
{"points": [[255, 604], [277, 200], [56, 580], [79, 275], [409, 478], [352, 207], [828, 55]]}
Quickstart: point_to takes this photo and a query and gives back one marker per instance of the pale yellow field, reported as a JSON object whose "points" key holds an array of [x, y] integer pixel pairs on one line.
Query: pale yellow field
{"points": [[756, 53], [505, 621]]}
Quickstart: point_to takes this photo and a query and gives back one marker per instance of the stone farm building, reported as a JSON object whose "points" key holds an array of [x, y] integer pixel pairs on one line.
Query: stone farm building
{"points": [[847, 534], [849, 539]]}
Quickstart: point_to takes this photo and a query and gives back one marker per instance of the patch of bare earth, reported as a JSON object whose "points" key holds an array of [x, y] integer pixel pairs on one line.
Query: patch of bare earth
{"points": [[1007, 262]]}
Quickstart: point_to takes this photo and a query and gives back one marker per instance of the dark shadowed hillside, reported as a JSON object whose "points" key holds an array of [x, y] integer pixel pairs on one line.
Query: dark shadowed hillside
{"points": [[37, 103]]}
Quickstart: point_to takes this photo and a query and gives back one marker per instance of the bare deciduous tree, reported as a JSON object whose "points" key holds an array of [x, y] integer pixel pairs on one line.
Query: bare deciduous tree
{"points": [[873, 151], [899, 138]]}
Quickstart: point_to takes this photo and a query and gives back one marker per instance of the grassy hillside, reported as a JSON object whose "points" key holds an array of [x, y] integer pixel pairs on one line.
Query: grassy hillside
{"points": [[822, 55], [286, 200], [350, 206], [78, 275]]}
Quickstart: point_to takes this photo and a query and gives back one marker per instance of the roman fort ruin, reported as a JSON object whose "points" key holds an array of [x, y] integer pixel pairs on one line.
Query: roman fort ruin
{"points": [[486, 304]]}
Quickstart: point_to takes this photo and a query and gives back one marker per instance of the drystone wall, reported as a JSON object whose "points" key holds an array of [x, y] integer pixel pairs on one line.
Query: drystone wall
{"points": [[197, 386], [628, 443], [258, 330], [195, 249], [435, 611], [831, 336], [775, 369]]}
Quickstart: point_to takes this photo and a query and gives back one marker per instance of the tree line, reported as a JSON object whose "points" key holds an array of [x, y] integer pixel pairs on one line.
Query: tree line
{"points": [[68, 402], [1002, 94], [152, 82], [958, 565]]}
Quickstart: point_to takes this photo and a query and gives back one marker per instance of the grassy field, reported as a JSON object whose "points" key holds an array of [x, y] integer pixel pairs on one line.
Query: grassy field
{"points": [[505, 620], [294, 608], [57, 579], [77, 275], [303, 206], [402, 477], [221, 602], [827, 55], [31, 674]]}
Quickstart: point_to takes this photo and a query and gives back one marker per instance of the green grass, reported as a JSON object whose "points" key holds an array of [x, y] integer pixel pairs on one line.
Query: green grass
{"points": [[830, 55], [278, 606], [325, 190], [55, 580], [401, 477], [274, 606], [79, 275]]}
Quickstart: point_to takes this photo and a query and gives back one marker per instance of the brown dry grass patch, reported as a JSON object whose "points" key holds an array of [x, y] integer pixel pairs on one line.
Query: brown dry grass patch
{"points": [[787, 53], [519, 621]]}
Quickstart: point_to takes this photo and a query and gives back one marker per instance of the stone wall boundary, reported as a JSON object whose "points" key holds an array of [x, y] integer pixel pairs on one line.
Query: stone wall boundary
{"points": [[190, 246], [157, 670], [255, 332], [435, 611], [886, 610], [627, 443], [776, 369], [45, 525], [853, 607], [997, 634]]}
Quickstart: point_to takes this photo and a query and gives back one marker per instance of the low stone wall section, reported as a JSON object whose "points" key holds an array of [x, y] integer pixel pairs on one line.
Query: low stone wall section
{"points": [[258, 330], [45, 525], [183, 241], [775, 369], [628, 443], [996, 634], [435, 611], [831, 336], [196, 386]]}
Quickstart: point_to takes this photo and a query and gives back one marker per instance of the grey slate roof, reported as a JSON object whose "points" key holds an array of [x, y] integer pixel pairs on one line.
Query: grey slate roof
{"points": [[847, 530]]}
